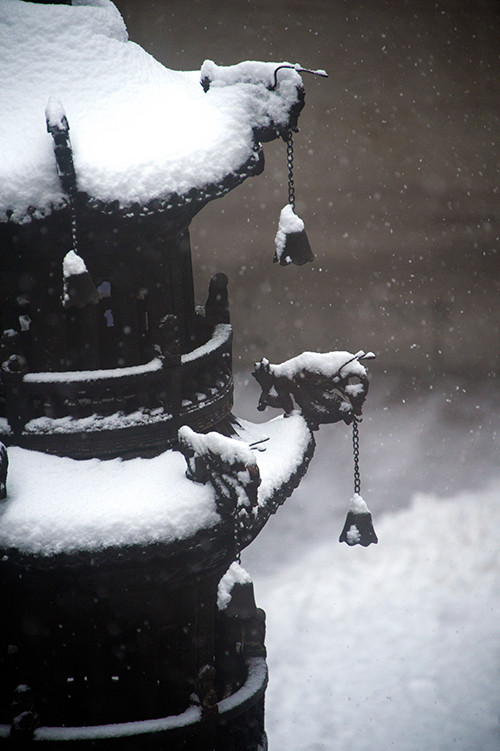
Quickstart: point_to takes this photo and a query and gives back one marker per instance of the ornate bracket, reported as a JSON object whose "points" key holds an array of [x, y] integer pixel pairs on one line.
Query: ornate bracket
{"points": [[326, 387], [230, 467]]}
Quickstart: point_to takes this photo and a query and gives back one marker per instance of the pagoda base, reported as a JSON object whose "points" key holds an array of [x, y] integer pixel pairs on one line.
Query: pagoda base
{"points": [[236, 723], [113, 617]]}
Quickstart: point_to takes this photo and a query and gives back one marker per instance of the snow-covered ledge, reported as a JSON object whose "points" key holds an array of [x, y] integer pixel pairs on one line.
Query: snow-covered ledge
{"points": [[88, 376], [115, 503]]}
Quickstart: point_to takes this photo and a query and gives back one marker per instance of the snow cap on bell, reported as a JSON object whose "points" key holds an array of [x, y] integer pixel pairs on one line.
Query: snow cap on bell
{"points": [[292, 244], [358, 527], [79, 289]]}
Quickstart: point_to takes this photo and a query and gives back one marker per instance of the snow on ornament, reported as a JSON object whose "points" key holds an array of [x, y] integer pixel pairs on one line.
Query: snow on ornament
{"points": [[79, 289], [358, 527], [235, 575], [326, 387], [230, 467], [292, 244]]}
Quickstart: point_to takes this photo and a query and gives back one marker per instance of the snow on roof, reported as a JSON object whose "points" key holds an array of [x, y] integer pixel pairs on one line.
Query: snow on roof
{"points": [[56, 504], [138, 130]]}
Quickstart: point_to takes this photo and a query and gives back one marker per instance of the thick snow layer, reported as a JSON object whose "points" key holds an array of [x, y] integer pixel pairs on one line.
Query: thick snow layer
{"points": [[395, 646], [57, 504], [138, 130], [328, 364]]}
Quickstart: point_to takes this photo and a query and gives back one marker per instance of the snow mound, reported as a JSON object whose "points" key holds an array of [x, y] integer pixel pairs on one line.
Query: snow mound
{"points": [[394, 646], [57, 504]]}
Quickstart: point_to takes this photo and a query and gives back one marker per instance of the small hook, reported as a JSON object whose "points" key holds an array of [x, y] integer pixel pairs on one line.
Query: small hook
{"points": [[256, 444], [299, 69], [361, 355]]}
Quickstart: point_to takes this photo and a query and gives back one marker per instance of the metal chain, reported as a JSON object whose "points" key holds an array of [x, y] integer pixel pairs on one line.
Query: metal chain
{"points": [[355, 453], [237, 548], [74, 238], [289, 159]]}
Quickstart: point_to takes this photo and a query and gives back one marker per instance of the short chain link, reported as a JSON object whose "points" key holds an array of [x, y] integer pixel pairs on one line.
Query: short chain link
{"points": [[237, 549], [74, 237], [355, 453], [289, 159]]}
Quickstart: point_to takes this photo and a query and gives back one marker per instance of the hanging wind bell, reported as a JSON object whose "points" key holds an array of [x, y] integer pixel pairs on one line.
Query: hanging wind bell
{"points": [[358, 527], [292, 243], [79, 289]]}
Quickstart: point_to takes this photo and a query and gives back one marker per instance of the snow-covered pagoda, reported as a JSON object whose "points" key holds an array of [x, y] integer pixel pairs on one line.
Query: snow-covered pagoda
{"points": [[127, 486]]}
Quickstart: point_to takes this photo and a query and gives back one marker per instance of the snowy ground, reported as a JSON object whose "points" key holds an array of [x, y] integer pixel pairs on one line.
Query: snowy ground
{"points": [[396, 645]]}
